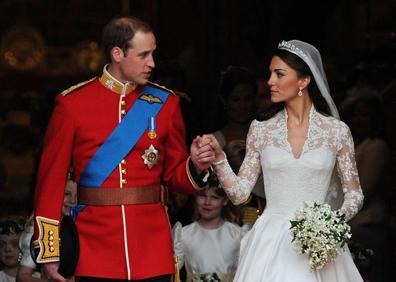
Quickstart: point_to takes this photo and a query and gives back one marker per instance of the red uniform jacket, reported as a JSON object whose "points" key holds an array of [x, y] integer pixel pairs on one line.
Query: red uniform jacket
{"points": [[129, 242]]}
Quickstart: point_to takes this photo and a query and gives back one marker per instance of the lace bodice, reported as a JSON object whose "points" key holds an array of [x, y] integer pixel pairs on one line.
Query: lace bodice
{"points": [[291, 181]]}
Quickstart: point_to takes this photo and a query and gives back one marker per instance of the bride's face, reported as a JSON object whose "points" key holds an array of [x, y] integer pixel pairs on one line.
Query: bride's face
{"points": [[209, 204], [283, 81]]}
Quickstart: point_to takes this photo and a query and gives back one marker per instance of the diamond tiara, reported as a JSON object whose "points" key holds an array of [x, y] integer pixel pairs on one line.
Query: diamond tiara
{"points": [[291, 48]]}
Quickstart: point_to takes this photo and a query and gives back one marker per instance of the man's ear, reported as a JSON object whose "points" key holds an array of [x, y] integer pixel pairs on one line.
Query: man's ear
{"points": [[116, 54]]}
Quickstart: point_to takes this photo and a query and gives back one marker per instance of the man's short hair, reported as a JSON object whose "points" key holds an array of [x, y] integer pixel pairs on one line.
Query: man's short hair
{"points": [[119, 31]]}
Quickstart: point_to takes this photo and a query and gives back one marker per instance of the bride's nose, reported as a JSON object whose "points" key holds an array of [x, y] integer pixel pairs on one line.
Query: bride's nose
{"points": [[270, 81]]}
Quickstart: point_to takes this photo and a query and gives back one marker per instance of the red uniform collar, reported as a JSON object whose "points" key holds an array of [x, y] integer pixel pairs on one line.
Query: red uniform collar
{"points": [[110, 82]]}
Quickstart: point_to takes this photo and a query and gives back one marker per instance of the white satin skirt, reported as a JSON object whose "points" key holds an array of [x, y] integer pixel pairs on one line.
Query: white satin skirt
{"points": [[267, 254]]}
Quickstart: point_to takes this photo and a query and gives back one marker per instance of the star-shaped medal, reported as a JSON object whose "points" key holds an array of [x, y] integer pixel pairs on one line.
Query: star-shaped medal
{"points": [[150, 156]]}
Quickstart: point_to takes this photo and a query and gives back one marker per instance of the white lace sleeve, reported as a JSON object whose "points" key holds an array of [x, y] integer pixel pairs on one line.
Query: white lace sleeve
{"points": [[238, 187], [346, 165], [178, 243]]}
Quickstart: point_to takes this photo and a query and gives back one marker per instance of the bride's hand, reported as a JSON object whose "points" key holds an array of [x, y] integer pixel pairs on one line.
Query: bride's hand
{"points": [[219, 153]]}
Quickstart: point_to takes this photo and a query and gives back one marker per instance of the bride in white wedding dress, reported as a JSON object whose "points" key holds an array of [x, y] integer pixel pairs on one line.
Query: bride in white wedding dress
{"points": [[298, 145]]}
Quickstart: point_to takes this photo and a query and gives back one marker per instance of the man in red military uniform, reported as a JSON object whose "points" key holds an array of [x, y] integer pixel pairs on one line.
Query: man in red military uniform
{"points": [[125, 139]]}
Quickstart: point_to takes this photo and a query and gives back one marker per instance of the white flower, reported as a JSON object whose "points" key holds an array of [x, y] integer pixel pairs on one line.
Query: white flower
{"points": [[320, 233]]}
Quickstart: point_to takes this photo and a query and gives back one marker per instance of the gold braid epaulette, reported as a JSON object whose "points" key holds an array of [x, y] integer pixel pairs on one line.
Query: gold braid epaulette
{"points": [[162, 87], [74, 87]]}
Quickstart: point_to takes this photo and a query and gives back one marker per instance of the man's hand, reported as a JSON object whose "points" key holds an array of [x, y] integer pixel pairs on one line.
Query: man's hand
{"points": [[201, 153], [51, 272]]}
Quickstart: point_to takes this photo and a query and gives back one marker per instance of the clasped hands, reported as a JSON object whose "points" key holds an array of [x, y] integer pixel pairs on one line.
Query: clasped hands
{"points": [[204, 151]]}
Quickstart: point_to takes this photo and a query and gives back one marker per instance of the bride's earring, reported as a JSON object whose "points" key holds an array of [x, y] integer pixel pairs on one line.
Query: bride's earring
{"points": [[300, 93]]}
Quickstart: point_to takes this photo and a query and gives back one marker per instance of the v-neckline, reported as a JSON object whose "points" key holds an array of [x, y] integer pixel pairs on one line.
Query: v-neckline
{"points": [[302, 150]]}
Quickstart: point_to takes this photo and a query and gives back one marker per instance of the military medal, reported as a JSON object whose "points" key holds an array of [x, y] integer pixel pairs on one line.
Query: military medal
{"points": [[152, 127], [150, 156]]}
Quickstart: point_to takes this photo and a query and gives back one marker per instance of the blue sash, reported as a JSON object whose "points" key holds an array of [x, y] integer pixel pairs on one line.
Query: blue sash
{"points": [[121, 141]]}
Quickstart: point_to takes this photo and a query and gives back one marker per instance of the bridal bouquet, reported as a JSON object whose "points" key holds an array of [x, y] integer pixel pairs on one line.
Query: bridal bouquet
{"points": [[320, 233]]}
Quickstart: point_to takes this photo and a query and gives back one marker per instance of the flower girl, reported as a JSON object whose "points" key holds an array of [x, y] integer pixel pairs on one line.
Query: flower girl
{"points": [[208, 247]]}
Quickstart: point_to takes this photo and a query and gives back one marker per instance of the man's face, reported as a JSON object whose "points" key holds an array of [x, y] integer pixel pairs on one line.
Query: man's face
{"points": [[138, 62]]}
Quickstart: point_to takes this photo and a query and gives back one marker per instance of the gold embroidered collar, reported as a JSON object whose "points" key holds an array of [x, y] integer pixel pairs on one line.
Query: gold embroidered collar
{"points": [[114, 84]]}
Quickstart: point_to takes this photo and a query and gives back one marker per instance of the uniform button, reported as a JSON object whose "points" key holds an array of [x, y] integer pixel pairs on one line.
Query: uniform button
{"points": [[51, 238], [123, 103], [123, 171], [51, 244], [123, 112], [50, 232], [124, 181], [52, 249], [123, 161]]}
